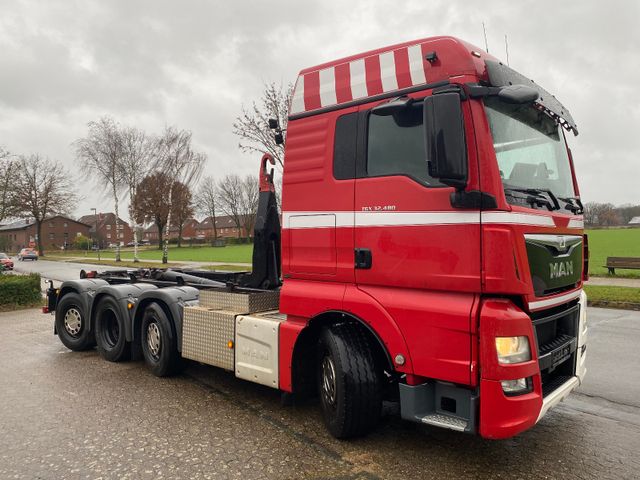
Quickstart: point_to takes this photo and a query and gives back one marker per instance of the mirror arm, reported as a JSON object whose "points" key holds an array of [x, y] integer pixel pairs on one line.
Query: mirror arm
{"points": [[478, 91]]}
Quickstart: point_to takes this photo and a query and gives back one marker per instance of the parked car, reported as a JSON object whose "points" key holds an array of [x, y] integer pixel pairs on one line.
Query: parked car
{"points": [[28, 254], [6, 261]]}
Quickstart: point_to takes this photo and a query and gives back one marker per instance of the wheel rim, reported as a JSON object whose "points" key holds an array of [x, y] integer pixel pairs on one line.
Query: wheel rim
{"points": [[328, 381], [154, 340], [73, 321]]}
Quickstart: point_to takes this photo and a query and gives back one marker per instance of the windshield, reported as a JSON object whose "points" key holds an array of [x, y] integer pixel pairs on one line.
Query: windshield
{"points": [[530, 149]]}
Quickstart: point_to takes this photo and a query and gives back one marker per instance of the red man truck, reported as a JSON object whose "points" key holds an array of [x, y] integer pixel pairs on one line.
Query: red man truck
{"points": [[431, 253]]}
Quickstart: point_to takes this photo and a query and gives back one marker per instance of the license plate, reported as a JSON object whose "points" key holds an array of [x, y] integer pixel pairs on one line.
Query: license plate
{"points": [[561, 355]]}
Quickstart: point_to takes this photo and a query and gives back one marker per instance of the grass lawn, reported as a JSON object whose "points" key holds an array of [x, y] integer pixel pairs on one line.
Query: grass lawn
{"points": [[613, 242], [625, 297], [230, 253]]}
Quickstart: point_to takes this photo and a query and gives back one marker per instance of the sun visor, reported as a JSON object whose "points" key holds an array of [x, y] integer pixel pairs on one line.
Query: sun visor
{"points": [[501, 75]]}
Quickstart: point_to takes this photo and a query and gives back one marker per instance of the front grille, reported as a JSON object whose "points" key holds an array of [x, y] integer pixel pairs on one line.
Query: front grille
{"points": [[556, 332]]}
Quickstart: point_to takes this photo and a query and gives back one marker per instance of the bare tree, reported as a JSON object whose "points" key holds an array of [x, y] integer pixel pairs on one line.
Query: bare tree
{"points": [[249, 203], [150, 202], [600, 214], [182, 207], [138, 151], [238, 198], [7, 172], [252, 126], [207, 201], [42, 189], [230, 199], [177, 158], [100, 154]]}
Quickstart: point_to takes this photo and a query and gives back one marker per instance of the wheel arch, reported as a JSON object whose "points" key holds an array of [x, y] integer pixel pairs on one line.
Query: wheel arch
{"points": [[303, 359]]}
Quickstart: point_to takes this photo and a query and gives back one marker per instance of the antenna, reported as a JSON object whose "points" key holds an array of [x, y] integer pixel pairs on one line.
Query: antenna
{"points": [[486, 44], [506, 48]]}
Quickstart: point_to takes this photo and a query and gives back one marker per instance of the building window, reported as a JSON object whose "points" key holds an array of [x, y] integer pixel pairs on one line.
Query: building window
{"points": [[79, 234], [108, 235], [51, 225], [120, 235], [52, 236], [65, 225], [108, 227]]}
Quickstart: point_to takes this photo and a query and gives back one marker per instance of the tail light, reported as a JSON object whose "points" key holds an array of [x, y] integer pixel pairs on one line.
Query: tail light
{"points": [[585, 257]]}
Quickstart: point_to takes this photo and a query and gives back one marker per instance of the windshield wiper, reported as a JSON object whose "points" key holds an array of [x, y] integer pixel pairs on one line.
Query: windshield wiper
{"points": [[573, 204], [535, 197]]}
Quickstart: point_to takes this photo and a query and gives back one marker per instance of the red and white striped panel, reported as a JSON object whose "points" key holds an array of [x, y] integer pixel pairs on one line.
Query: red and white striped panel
{"points": [[364, 77]]}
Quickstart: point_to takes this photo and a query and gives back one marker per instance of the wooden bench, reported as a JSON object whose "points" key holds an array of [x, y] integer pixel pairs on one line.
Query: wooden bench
{"points": [[629, 263]]}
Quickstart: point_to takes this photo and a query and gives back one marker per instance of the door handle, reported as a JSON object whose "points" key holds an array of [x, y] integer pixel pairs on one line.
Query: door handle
{"points": [[363, 258]]}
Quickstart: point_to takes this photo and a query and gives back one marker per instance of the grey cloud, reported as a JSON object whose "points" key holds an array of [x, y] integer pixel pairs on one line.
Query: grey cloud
{"points": [[195, 63]]}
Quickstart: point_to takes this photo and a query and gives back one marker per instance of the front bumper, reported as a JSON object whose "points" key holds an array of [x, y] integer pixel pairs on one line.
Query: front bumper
{"points": [[553, 373]]}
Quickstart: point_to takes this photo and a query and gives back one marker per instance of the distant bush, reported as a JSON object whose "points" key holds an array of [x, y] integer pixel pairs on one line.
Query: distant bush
{"points": [[20, 290], [82, 243], [238, 241]]}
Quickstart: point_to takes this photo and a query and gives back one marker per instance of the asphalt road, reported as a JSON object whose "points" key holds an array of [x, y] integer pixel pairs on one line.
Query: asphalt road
{"points": [[73, 415], [59, 271]]}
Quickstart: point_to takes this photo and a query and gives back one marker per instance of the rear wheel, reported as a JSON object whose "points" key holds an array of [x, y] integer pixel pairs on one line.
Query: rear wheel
{"points": [[110, 331], [349, 383], [71, 323], [159, 344]]}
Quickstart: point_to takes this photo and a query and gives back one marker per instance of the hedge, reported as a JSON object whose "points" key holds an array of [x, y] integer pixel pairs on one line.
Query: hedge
{"points": [[21, 290]]}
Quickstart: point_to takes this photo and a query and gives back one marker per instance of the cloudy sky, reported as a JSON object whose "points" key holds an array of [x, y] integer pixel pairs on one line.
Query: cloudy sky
{"points": [[193, 64]]}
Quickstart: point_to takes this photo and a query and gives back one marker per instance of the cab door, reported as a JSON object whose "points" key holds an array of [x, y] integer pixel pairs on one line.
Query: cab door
{"points": [[415, 254], [407, 234]]}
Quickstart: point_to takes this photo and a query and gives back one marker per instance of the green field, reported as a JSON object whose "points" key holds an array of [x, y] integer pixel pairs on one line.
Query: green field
{"points": [[614, 242], [228, 254], [617, 297]]}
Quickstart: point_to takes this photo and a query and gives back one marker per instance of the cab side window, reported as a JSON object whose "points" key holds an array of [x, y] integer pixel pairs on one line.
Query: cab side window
{"points": [[396, 145]]}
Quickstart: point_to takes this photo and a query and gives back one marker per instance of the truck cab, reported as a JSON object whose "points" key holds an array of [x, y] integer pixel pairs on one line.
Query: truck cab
{"points": [[429, 196]]}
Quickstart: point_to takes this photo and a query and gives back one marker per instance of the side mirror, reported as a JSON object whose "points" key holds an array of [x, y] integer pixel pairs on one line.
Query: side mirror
{"points": [[518, 94], [445, 141]]}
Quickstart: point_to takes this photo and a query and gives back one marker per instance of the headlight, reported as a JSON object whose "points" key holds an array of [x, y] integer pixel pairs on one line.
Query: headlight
{"points": [[513, 349]]}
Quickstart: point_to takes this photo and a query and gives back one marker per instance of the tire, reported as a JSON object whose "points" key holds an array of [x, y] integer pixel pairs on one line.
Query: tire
{"points": [[159, 343], [110, 331], [72, 324], [349, 383]]}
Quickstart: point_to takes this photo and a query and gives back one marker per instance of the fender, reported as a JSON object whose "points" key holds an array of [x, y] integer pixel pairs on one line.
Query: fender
{"points": [[123, 295], [86, 288], [327, 297], [173, 300]]}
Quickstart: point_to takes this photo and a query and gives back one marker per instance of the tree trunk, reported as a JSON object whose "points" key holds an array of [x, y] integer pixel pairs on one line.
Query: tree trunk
{"points": [[39, 238], [165, 250], [179, 235], [160, 229], [115, 198], [215, 228], [132, 195]]}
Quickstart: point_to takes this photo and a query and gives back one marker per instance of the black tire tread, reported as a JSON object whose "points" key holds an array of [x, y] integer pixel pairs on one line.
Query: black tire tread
{"points": [[362, 401]]}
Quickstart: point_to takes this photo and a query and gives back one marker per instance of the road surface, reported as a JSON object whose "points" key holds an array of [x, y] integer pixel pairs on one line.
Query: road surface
{"points": [[74, 415]]}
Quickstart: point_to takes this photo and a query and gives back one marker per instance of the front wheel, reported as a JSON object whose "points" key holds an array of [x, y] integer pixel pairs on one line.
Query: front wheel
{"points": [[349, 383], [159, 344]]}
